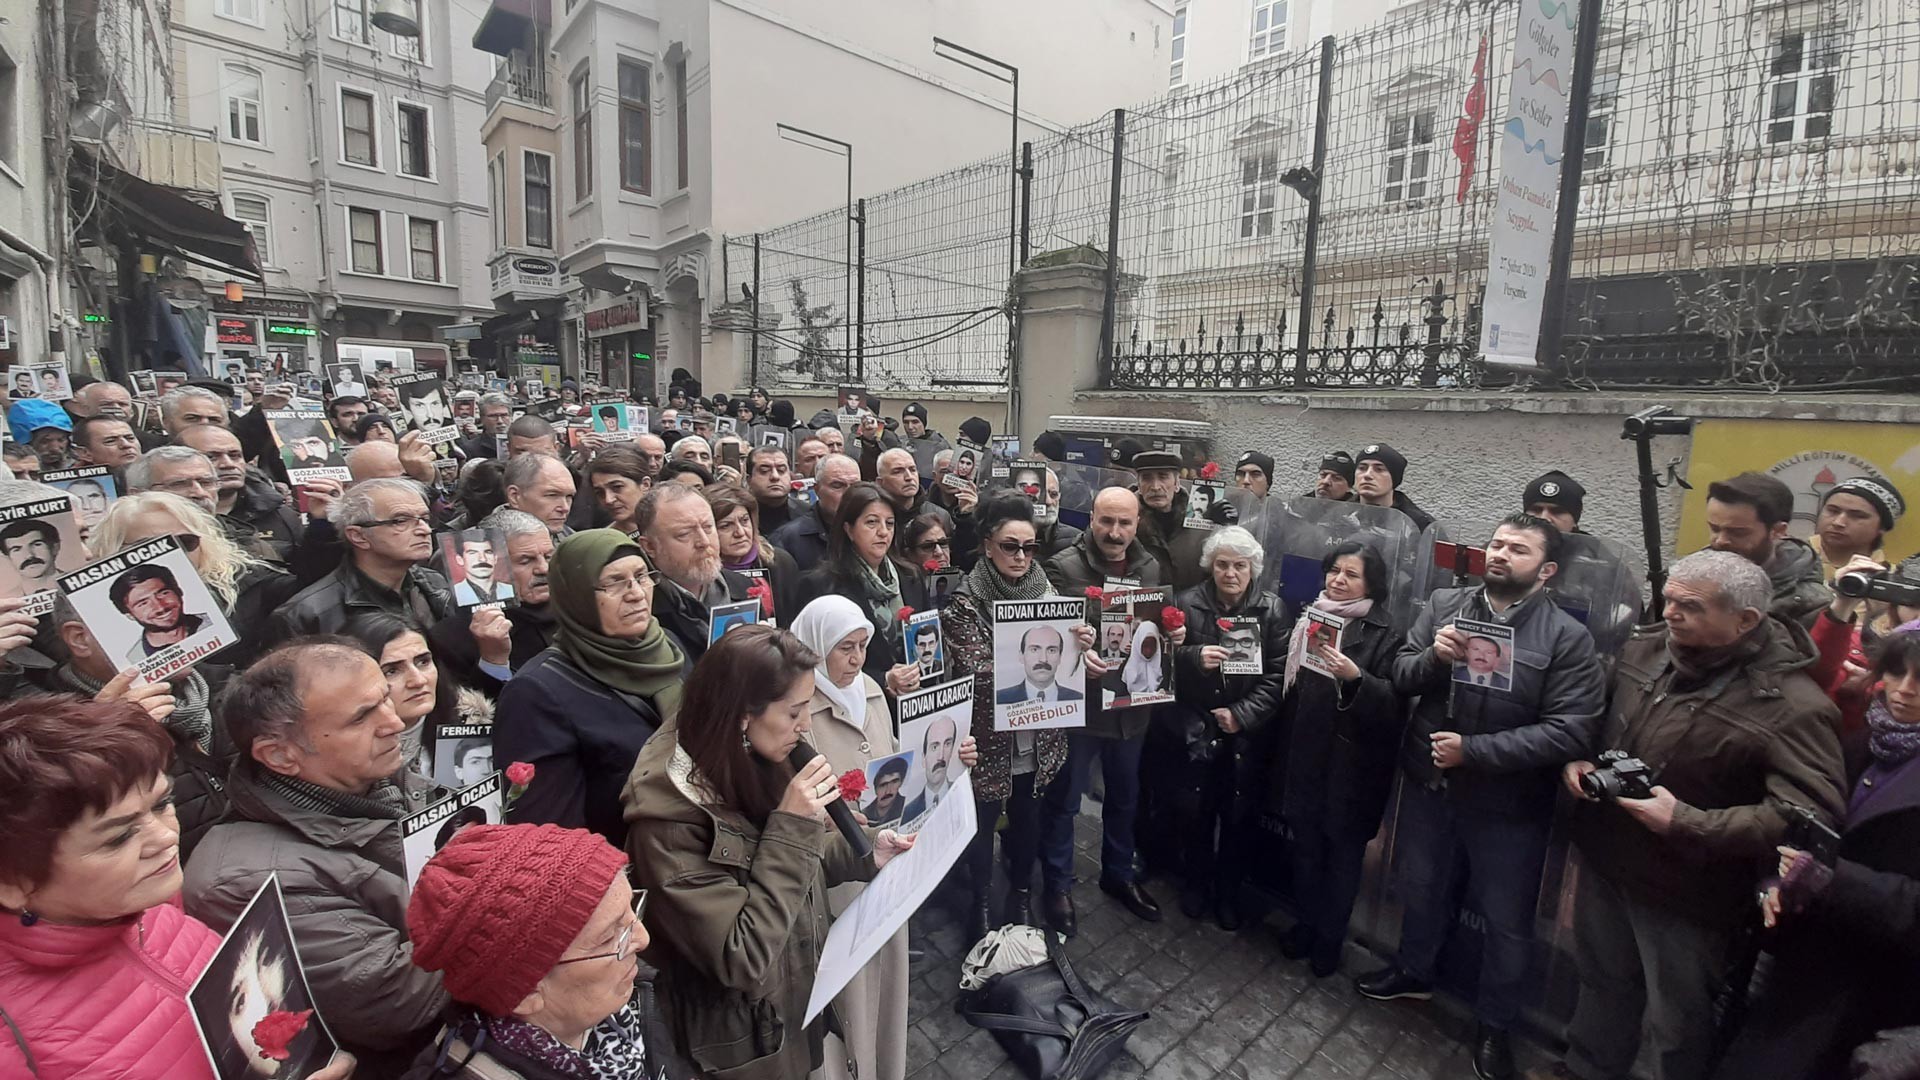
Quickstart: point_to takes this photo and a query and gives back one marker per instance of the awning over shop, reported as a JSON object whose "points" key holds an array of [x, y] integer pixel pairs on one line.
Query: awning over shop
{"points": [[161, 219]]}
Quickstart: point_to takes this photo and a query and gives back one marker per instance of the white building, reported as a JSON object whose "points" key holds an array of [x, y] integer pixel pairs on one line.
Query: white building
{"points": [[625, 140], [352, 156]]}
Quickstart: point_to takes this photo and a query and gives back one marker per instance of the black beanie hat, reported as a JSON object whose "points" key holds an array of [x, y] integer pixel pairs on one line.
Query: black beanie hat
{"points": [[976, 430], [1049, 445], [915, 410], [781, 412], [1395, 462], [1341, 462], [1884, 497], [1558, 489], [1258, 460]]}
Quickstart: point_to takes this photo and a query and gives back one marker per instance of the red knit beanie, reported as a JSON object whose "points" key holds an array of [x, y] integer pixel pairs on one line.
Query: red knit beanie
{"points": [[496, 908]]}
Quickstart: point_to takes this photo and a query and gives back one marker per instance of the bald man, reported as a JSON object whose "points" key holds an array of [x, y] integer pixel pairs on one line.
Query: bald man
{"points": [[897, 475]]}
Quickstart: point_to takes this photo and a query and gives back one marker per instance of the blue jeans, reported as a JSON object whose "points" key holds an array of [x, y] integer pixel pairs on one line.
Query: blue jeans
{"points": [[1120, 772], [1501, 858]]}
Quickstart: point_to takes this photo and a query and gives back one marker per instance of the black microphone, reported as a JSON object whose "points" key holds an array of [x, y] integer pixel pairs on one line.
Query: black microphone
{"points": [[838, 809]]}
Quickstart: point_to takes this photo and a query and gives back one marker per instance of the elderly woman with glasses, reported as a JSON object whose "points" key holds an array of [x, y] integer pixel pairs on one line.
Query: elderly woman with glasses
{"points": [[580, 711], [1015, 767], [537, 935]]}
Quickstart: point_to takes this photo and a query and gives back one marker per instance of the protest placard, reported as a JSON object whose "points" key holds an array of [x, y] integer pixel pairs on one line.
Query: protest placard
{"points": [[148, 608], [933, 721], [476, 562], [307, 445], [423, 398], [1144, 674], [462, 754], [922, 643], [1489, 658], [251, 1002], [424, 833], [1037, 669], [1240, 636], [93, 489], [40, 541]]}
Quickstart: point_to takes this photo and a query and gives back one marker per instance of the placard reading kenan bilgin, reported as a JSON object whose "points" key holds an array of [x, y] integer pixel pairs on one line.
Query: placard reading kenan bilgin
{"points": [[1038, 677], [148, 608]]}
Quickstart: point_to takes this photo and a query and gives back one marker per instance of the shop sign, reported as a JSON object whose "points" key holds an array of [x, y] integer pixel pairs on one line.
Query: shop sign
{"points": [[621, 316], [527, 277], [236, 331]]}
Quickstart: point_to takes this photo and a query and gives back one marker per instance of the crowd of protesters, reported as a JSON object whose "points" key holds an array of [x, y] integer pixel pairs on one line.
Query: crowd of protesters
{"points": [[657, 899]]}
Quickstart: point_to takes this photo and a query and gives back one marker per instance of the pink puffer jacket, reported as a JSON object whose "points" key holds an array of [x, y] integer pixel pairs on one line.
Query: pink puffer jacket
{"points": [[103, 1002]]}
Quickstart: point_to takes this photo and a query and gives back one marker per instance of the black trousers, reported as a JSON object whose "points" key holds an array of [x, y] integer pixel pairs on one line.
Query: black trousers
{"points": [[1217, 844], [1326, 882], [1019, 841]]}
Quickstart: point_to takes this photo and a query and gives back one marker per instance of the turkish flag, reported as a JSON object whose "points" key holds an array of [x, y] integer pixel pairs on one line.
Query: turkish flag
{"points": [[1466, 130]]}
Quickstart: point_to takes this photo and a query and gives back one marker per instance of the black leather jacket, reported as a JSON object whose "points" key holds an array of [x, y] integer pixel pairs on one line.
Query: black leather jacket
{"points": [[326, 605]]}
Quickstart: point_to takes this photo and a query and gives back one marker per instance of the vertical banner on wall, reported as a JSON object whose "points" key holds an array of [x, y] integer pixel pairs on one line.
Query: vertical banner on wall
{"points": [[1520, 241]]}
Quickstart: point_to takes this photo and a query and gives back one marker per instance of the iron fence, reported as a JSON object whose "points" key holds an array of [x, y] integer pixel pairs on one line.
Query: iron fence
{"points": [[1748, 216]]}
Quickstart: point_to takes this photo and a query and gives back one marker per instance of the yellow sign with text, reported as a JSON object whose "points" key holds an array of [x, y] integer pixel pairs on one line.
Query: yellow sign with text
{"points": [[1809, 456]]}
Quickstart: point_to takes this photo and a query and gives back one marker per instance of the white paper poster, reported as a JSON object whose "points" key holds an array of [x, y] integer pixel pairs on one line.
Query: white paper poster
{"points": [[1532, 136]]}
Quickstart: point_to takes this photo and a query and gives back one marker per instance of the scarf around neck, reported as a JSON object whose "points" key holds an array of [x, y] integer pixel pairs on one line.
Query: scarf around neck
{"points": [[614, 1050], [1297, 644], [191, 719], [883, 590], [649, 667], [1695, 667], [986, 585]]}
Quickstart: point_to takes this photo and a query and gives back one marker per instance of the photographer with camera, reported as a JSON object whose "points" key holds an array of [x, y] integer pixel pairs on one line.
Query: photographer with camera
{"points": [[1868, 602], [1733, 732], [1846, 907], [1855, 517]]}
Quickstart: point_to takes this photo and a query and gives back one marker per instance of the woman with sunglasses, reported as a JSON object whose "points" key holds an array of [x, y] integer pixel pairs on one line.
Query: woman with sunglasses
{"points": [[246, 588], [732, 841], [862, 566], [1015, 767], [926, 539], [580, 711], [736, 516], [537, 936]]}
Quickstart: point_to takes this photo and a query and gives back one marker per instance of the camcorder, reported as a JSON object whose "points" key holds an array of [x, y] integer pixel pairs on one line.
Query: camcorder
{"points": [[1880, 586], [1657, 420], [1618, 777], [1806, 831]]}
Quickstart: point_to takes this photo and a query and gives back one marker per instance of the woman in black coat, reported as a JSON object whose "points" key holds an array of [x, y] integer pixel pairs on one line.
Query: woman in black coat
{"points": [[1339, 733], [1846, 945], [861, 566], [1226, 719]]}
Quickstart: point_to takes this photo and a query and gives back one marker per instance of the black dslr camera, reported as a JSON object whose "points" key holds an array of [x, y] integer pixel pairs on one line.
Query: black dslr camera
{"points": [[1807, 832], [1618, 777], [1882, 587]]}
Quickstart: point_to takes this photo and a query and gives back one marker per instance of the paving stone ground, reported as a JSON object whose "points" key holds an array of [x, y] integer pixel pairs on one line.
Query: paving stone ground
{"points": [[1222, 1005]]}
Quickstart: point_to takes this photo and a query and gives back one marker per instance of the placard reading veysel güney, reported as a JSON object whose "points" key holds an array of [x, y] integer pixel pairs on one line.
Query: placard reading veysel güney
{"points": [[1037, 668]]}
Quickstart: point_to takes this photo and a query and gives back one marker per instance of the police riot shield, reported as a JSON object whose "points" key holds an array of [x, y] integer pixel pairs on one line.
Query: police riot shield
{"points": [[1299, 532], [1594, 581], [1069, 489]]}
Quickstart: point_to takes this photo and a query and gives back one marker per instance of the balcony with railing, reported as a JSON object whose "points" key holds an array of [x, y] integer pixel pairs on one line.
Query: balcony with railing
{"points": [[520, 79]]}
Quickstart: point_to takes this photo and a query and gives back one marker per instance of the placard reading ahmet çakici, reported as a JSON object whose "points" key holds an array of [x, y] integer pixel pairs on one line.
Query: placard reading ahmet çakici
{"points": [[1037, 668], [307, 445], [148, 608], [40, 541]]}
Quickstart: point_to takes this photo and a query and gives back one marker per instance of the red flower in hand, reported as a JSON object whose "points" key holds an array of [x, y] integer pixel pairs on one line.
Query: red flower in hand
{"points": [[1225, 624], [798, 485], [762, 592], [931, 566], [1094, 593], [276, 1029], [1172, 617], [520, 774], [1210, 471], [904, 613], [853, 783]]}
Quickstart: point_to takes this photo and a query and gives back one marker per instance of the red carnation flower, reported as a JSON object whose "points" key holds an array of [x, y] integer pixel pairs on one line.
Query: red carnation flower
{"points": [[520, 774], [1172, 617], [1210, 470], [931, 566], [853, 783], [276, 1029], [1225, 624], [762, 592], [798, 485], [904, 613], [1094, 593]]}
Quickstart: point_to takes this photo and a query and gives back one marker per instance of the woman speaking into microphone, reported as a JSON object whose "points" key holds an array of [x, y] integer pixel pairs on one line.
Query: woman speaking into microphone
{"points": [[733, 843]]}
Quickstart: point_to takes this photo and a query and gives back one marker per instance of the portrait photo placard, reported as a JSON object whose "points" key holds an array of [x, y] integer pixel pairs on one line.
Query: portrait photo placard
{"points": [[724, 617], [39, 541], [256, 973], [346, 380], [639, 419], [424, 833], [93, 489], [476, 562], [1004, 450], [1144, 674], [610, 419], [940, 585], [1323, 629], [143, 385], [1240, 636], [923, 644], [965, 469], [48, 382], [1489, 659], [462, 754], [307, 445], [1029, 478], [885, 801], [427, 407], [933, 721], [1037, 670], [1202, 497], [148, 608]]}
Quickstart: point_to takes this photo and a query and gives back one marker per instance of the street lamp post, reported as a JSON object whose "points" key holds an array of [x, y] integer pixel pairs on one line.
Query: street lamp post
{"points": [[832, 145]]}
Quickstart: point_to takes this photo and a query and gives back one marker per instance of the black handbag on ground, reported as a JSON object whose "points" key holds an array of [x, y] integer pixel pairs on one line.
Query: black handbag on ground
{"points": [[1049, 1023]]}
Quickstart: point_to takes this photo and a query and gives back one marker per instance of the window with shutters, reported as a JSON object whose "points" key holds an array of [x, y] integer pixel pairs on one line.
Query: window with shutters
{"points": [[252, 211]]}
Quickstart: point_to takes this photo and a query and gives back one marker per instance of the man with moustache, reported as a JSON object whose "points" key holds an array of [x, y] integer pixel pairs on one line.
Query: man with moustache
{"points": [[936, 756], [1163, 516], [1481, 767], [674, 526], [150, 596], [249, 506], [770, 483], [90, 504], [389, 537], [1334, 481], [483, 649], [473, 557], [32, 547], [1110, 548]]}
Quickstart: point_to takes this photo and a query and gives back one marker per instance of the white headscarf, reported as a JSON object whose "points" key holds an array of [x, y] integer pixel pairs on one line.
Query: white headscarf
{"points": [[821, 626], [1142, 673]]}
